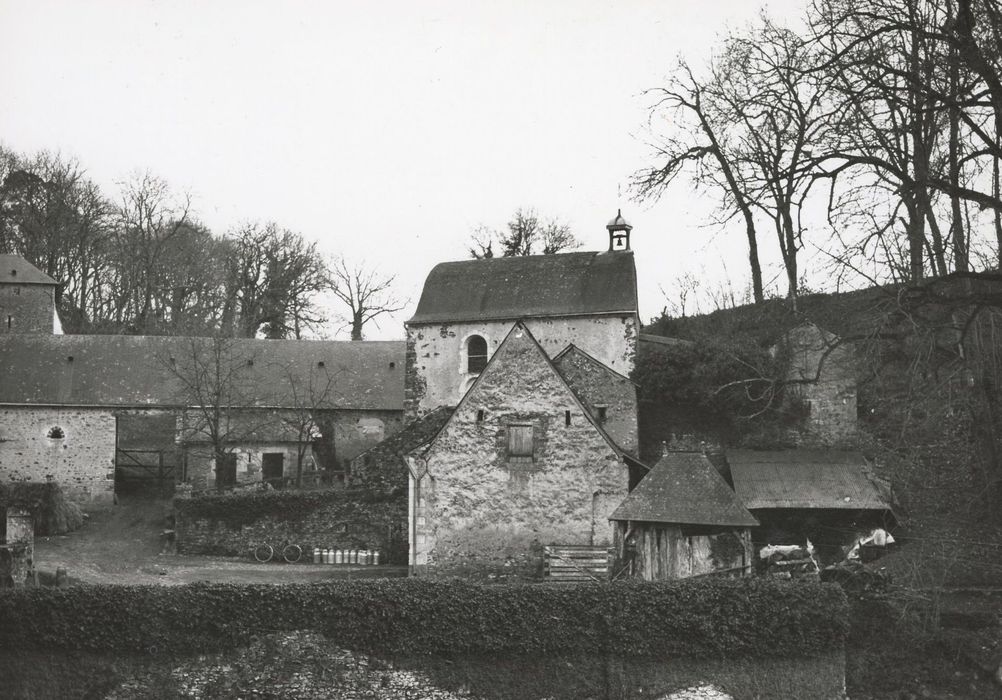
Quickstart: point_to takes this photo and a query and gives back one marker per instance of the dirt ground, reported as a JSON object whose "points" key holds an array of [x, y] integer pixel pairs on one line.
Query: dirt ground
{"points": [[124, 544]]}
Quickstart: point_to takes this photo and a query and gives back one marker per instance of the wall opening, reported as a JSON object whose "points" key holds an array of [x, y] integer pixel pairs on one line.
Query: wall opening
{"points": [[56, 433], [273, 468], [476, 354]]}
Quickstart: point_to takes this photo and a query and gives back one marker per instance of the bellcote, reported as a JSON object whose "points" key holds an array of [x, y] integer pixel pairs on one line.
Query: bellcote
{"points": [[619, 233]]}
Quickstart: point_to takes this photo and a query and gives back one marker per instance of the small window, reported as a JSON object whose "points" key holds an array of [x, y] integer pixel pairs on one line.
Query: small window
{"points": [[10, 321], [480, 415], [56, 433], [520, 442], [567, 418], [601, 413], [476, 354]]}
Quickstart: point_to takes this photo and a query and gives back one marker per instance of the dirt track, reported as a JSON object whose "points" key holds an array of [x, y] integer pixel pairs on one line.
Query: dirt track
{"points": [[124, 545]]}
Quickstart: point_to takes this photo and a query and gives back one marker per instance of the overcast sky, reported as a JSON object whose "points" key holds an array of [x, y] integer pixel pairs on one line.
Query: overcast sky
{"points": [[385, 131]]}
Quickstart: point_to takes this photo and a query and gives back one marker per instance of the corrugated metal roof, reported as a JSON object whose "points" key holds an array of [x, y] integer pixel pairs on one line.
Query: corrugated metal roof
{"points": [[804, 479], [564, 284], [112, 370], [684, 488], [16, 270]]}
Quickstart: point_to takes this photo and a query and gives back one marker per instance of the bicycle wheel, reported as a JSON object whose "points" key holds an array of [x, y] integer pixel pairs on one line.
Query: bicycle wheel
{"points": [[292, 553], [264, 552]]}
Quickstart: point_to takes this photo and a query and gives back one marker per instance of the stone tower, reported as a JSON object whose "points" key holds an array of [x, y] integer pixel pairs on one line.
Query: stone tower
{"points": [[468, 307], [27, 298]]}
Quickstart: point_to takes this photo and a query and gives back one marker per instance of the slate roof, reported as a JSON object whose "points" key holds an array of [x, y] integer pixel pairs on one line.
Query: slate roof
{"points": [[565, 284], [118, 370], [684, 488], [822, 479], [16, 270]]}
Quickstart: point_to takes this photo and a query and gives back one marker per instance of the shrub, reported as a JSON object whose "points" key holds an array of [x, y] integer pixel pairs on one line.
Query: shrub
{"points": [[747, 618]]}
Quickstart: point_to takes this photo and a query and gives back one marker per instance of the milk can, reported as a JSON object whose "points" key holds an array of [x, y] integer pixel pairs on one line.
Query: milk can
{"points": [[375, 558], [323, 555], [353, 556], [317, 554], [339, 556]]}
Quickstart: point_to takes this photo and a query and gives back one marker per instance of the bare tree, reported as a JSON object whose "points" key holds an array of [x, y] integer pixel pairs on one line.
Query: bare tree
{"points": [[367, 294], [527, 234], [312, 398], [214, 388], [699, 140], [150, 215], [273, 279]]}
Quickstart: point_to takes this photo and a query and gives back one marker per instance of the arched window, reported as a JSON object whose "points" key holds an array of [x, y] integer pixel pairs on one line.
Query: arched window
{"points": [[476, 354]]}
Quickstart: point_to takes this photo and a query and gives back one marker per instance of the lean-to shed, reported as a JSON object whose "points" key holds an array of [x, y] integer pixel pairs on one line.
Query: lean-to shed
{"points": [[682, 520]]}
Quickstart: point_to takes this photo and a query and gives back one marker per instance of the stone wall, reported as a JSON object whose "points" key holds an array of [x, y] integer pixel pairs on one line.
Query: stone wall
{"points": [[317, 519], [73, 446], [357, 431], [828, 372], [437, 363], [478, 512], [26, 308], [599, 388]]}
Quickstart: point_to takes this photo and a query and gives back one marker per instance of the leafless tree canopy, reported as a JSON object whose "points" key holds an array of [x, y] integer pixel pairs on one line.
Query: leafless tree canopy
{"points": [[884, 113], [526, 234], [141, 262], [366, 293]]}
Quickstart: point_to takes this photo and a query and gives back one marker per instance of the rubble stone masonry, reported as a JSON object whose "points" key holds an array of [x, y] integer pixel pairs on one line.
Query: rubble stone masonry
{"points": [[26, 308], [437, 361], [483, 513], [73, 446], [828, 370]]}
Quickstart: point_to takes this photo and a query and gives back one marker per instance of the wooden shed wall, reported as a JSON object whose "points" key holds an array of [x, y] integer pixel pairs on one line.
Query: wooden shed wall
{"points": [[661, 551]]}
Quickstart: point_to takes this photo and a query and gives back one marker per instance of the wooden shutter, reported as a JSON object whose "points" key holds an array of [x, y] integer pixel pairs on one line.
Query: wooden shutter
{"points": [[520, 441]]}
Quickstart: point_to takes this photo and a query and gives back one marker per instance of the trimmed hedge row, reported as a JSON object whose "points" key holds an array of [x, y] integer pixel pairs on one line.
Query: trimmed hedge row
{"points": [[750, 617], [243, 508]]}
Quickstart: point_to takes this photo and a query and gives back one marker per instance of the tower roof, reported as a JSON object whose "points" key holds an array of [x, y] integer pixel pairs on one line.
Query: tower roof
{"points": [[16, 270], [563, 284]]}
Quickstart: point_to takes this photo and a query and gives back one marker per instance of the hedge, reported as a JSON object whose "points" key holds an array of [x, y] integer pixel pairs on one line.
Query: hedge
{"points": [[722, 618], [242, 508]]}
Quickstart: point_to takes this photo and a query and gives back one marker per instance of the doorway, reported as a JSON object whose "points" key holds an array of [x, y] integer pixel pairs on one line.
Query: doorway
{"points": [[272, 468]]}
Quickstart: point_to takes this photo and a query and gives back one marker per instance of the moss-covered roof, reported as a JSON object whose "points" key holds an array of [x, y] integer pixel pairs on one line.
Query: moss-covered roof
{"points": [[684, 488]]}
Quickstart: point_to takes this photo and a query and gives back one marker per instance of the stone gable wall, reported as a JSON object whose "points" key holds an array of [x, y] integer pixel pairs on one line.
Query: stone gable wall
{"points": [[29, 306], [596, 386], [436, 353], [82, 461], [480, 513]]}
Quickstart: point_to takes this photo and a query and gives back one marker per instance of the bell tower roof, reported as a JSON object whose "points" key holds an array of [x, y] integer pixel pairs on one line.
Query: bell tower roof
{"points": [[619, 233]]}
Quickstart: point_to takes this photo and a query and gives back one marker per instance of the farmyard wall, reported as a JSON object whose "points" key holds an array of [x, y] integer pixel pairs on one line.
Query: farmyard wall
{"points": [[234, 524], [436, 353], [82, 461]]}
